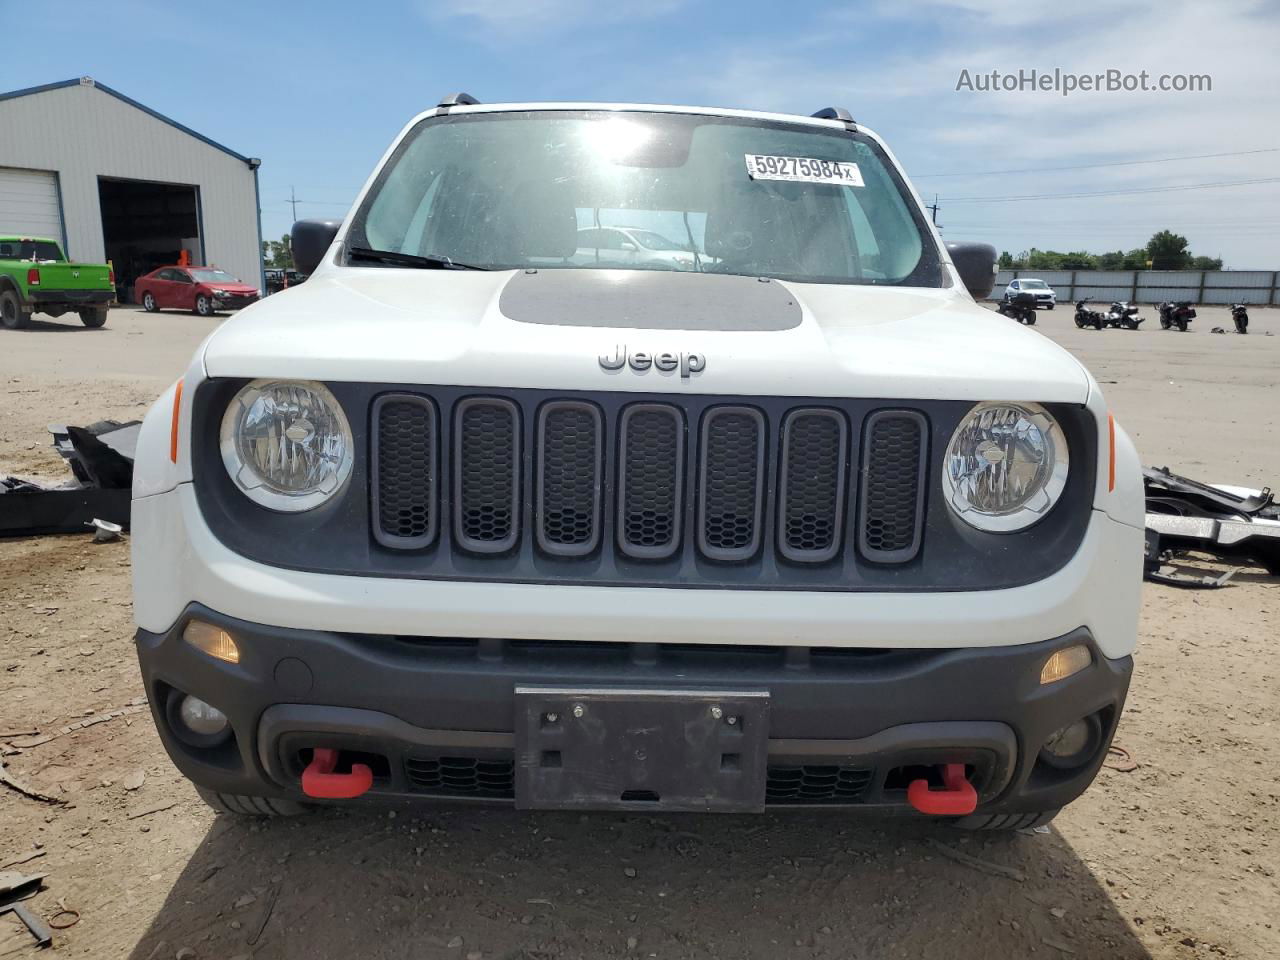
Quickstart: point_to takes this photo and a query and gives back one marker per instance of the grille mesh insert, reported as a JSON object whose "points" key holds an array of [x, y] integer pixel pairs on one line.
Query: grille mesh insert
{"points": [[812, 783], [651, 481], [731, 483], [462, 776], [812, 493], [486, 470], [891, 515], [405, 470], [569, 482]]}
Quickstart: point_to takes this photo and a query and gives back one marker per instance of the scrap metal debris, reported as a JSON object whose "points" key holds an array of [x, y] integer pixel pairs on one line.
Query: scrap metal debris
{"points": [[101, 460], [986, 866], [1226, 522], [15, 888], [1118, 759], [7, 779]]}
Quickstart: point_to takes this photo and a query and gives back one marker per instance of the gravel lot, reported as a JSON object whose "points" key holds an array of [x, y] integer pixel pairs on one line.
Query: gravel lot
{"points": [[1176, 859]]}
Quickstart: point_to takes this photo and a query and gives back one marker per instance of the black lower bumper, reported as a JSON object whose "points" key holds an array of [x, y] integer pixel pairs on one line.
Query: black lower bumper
{"points": [[70, 299], [438, 718]]}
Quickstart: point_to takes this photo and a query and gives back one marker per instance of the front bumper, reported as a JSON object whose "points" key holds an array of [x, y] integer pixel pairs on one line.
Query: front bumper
{"points": [[235, 301], [435, 717], [177, 559]]}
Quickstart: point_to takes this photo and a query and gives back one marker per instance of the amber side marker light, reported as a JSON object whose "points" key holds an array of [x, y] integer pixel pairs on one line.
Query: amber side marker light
{"points": [[173, 426], [212, 640], [1065, 663], [1111, 445]]}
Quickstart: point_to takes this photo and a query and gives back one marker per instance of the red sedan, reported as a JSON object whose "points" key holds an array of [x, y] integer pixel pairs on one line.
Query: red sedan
{"points": [[205, 290]]}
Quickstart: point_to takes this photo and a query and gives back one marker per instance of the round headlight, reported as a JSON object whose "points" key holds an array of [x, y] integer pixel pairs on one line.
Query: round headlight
{"points": [[1006, 466], [287, 444]]}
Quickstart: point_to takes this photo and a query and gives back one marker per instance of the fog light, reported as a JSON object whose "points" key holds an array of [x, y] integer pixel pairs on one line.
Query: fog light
{"points": [[212, 640], [201, 718], [1072, 745], [1065, 663]]}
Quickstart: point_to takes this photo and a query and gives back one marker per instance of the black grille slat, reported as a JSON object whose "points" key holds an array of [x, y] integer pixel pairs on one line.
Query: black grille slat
{"points": [[462, 776], [811, 489], [816, 783], [570, 437], [486, 474], [650, 480], [405, 471], [891, 501], [731, 483]]}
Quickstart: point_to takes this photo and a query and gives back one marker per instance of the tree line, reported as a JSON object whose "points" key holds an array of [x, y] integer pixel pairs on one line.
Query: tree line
{"points": [[1165, 250]]}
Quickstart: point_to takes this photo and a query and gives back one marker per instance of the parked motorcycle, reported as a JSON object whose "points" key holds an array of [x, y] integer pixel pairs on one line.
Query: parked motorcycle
{"points": [[1021, 307], [1123, 314], [1241, 317], [1088, 318], [1176, 314]]}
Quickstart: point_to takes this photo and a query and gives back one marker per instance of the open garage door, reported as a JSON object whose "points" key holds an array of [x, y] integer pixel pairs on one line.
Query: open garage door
{"points": [[29, 204], [147, 225]]}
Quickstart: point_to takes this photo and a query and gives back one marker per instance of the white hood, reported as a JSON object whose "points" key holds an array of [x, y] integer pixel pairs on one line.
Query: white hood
{"points": [[446, 327]]}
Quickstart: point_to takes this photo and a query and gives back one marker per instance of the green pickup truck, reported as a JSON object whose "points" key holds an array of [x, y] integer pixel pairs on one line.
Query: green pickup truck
{"points": [[35, 276]]}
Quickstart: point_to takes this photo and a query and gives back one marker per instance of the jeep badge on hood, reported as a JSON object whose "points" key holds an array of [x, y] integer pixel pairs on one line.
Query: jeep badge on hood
{"points": [[686, 363]]}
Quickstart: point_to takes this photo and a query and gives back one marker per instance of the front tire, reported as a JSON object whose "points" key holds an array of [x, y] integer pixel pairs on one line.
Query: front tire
{"points": [[240, 805], [204, 306], [93, 317], [11, 315], [1182, 326], [149, 303], [1052, 305]]}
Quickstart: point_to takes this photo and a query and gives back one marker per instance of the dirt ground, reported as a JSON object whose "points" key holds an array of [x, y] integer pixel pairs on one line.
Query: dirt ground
{"points": [[1176, 859]]}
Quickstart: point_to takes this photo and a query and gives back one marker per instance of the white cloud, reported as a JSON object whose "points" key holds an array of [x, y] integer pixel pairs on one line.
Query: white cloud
{"points": [[896, 68], [509, 19]]}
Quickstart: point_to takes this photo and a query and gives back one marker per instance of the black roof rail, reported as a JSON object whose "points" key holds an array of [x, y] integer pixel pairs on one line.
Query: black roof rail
{"points": [[457, 100], [837, 113]]}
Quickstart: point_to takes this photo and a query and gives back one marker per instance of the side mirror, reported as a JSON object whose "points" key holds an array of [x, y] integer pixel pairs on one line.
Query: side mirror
{"points": [[309, 240], [976, 264]]}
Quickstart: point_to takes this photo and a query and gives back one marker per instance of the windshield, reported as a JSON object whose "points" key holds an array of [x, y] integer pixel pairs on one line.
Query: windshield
{"points": [[213, 276], [1033, 285], [584, 189], [29, 250]]}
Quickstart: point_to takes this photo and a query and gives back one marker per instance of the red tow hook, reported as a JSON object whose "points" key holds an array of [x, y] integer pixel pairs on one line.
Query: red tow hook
{"points": [[319, 780], [956, 799]]}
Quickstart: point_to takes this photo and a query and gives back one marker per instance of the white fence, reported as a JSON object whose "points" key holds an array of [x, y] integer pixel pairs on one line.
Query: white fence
{"points": [[1152, 286]]}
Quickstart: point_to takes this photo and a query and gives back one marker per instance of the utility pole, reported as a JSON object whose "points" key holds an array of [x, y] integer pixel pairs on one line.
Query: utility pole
{"points": [[933, 208], [293, 201]]}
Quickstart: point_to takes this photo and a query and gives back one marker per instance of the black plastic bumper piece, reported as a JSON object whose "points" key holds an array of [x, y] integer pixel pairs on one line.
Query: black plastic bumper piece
{"points": [[71, 298], [437, 718]]}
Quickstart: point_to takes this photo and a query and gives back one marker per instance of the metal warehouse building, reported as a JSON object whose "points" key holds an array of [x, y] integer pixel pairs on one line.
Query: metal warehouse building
{"points": [[116, 181]]}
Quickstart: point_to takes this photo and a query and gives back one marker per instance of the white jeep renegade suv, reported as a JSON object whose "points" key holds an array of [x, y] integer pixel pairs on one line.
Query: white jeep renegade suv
{"points": [[794, 523]]}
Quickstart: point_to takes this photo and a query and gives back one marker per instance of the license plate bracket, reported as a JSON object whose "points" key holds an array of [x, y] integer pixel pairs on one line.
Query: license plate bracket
{"points": [[630, 749]]}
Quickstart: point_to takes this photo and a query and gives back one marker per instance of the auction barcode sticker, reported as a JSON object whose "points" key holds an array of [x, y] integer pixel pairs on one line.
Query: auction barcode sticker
{"points": [[803, 169]]}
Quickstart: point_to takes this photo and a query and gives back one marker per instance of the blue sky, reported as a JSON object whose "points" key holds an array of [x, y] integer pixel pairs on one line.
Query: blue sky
{"points": [[319, 89]]}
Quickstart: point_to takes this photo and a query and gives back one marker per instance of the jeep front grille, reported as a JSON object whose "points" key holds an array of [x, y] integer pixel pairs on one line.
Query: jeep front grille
{"points": [[404, 438], [890, 519], [575, 478], [650, 480], [570, 435], [486, 474]]}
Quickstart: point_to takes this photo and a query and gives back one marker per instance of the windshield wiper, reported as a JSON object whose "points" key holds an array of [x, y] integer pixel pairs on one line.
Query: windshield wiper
{"points": [[409, 260]]}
